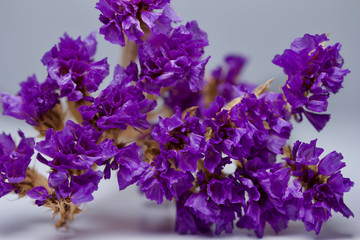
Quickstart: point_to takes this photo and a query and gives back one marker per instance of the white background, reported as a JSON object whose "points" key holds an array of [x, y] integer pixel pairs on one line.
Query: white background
{"points": [[257, 29]]}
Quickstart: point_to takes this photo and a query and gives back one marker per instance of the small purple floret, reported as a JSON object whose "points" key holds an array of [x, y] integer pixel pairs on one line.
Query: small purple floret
{"points": [[121, 104], [32, 101], [167, 60], [122, 17], [14, 161], [71, 65], [314, 71]]}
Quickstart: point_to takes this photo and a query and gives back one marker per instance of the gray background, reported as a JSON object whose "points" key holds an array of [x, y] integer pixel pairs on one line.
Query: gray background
{"points": [[257, 29]]}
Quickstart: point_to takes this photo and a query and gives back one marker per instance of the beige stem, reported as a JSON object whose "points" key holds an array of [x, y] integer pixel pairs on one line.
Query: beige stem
{"points": [[65, 207], [54, 118], [128, 53]]}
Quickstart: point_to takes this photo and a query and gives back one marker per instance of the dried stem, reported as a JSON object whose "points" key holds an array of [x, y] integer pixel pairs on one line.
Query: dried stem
{"points": [[65, 207], [33, 179], [210, 91], [263, 88], [54, 118], [73, 108], [128, 53]]}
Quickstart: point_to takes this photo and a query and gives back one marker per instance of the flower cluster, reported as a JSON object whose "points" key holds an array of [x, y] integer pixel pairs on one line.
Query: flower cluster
{"points": [[181, 142], [324, 185], [250, 134], [167, 60], [120, 104], [222, 153], [253, 128], [32, 102], [130, 18], [226, 78], [14, 161], [254, 194], [314, 71], [258, 192], [71, 65], [72, 153]]}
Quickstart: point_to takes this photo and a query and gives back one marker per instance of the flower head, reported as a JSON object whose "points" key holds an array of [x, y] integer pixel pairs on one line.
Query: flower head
{"points": [[14, 161], [73, 152], [75, 147], [324, 185], [181, 141], [128, 17], [128, 164], [120, 104], [166, 60], [226, 78], [253, 128], [33, 100], [314, 71], [71, 65]]}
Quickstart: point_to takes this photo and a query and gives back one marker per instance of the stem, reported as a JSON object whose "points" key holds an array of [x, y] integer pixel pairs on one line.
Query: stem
{"points": [[54, 118], [128, 53], [65, 207], [33, 179]]}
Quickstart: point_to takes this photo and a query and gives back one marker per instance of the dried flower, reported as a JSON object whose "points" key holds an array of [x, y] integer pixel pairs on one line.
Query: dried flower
{"points": [[71, 65]]}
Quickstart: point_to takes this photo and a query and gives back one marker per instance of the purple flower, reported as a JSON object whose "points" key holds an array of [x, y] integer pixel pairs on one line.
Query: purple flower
{"points": [[252, 133], [183, 137], [5, 188], [257, 193], [32, 101], [241, 133], [40, 194], [79, 188], [186, 220], [226, 78], [128, 164], [324, 185], [166, 60], [75, 147], [314, 71], [181, 97], [120, 104], [159, 180], [14, 160], [203, 207], [73, 152], [72, 66], [127, 17], [181, 142], [84, 185], [270, 200]]}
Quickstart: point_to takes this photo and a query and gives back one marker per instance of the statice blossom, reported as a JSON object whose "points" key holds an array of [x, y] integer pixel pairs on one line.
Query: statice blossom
{"points": [[226, 78], [217, 147], [14, 161], [167, 60], [71, 65], [249, 134], [323, 184], [123, 17], [253, 128], [121, 104], [169, 173], [72, 153], [32, 102], [128, 164], [314, 71]]}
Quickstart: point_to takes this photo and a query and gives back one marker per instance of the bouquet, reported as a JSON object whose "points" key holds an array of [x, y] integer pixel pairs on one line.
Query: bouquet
{"points": [[217, 146]]}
